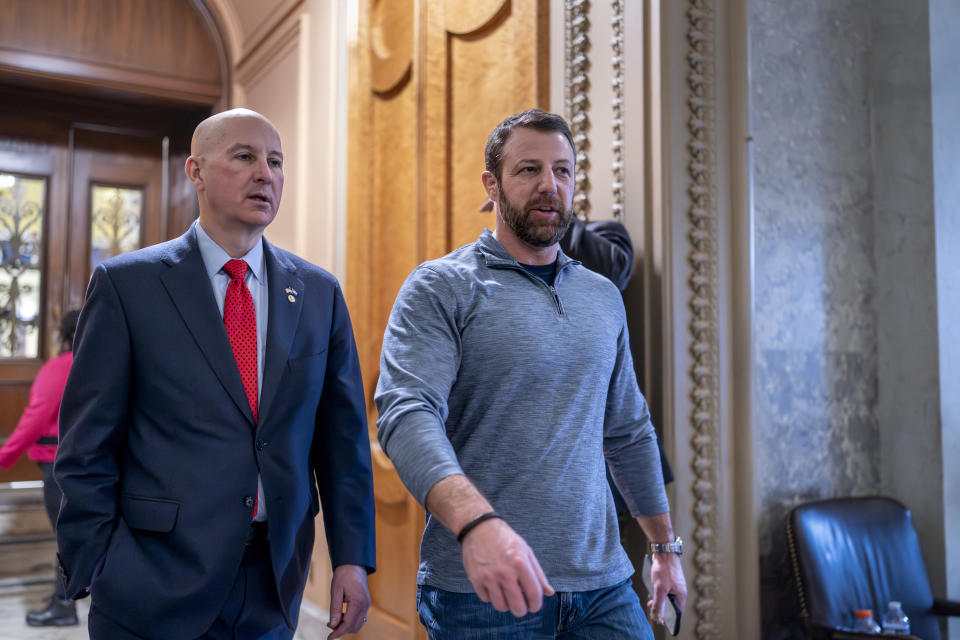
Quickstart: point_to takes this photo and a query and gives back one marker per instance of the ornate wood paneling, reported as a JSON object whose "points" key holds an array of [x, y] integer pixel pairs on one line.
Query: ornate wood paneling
{"points": [[167, 48], [486, 83], [391, 43], [382, 245], [429, 81]]}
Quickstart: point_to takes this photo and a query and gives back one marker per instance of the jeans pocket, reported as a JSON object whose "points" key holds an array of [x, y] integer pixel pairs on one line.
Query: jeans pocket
{"points": [[425, 609]]}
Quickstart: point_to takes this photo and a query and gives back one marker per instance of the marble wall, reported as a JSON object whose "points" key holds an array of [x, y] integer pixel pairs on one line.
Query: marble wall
{"points": [[833, 252], [815, 277], [905, 256]]}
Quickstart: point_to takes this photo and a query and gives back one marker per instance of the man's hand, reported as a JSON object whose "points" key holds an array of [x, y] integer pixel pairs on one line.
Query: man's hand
{"points": [[666, 574], [500, 564], [348, 591], [667, 577], [503, 569]]}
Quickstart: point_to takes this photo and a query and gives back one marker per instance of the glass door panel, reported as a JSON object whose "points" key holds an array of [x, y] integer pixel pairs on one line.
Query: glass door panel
{"points": [[115, 216], [22, 211]]}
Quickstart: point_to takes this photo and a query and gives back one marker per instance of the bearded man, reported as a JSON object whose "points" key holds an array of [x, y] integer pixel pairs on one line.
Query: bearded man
{"points": [[505, 381]]}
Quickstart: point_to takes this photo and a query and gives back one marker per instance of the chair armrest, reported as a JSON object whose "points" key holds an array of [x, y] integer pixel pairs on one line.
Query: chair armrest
{"points": [[945, 607]]}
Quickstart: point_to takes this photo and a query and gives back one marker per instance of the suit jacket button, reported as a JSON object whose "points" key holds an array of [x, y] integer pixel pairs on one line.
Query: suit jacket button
{"points": [[248, 502], [261, 445]]}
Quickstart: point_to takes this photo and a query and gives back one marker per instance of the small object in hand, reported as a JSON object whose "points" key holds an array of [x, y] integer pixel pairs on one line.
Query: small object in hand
{"points": [[671, 612]]}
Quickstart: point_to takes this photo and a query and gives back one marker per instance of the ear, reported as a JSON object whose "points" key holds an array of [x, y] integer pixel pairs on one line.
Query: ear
{"points": [[490, 185], [192, 169]]}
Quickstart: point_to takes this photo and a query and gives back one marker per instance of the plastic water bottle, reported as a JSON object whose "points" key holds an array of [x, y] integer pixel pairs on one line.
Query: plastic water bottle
{"points": [[895, 620], [863, 621]]}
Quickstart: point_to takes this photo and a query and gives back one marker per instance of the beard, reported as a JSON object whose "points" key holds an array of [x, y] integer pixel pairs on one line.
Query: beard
{"points": [[531, 230]]}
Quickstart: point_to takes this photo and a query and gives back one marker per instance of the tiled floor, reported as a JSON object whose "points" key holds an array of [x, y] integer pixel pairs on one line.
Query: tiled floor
{"points": [[14, 605]]}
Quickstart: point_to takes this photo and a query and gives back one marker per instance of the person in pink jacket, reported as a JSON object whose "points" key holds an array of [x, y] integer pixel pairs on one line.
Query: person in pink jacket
{"points": [[36, 434]]}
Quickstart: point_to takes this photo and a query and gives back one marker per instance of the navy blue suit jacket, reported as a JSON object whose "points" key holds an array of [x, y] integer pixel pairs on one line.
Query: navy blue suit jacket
{"points": [[159, 454]]}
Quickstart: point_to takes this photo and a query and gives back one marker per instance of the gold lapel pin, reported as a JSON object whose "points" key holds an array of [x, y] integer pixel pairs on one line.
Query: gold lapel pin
{"points": [[291, 294]]}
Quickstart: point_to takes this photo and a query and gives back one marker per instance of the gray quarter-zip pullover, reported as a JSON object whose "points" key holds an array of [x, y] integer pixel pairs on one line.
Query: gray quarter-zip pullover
{"points": [[524, 388]]}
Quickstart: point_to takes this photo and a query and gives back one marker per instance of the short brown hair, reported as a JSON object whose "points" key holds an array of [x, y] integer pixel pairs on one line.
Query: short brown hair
{"points": [[536, 119]]}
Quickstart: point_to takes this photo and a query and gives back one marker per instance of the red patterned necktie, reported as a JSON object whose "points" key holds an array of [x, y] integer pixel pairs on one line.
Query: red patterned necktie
{"points": [[240, 320]]}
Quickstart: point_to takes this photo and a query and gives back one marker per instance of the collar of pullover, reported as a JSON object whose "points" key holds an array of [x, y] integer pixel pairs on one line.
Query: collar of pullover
{"points": [[494, 255]]}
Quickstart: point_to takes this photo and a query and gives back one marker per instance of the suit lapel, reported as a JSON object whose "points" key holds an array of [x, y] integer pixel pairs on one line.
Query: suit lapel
{"points": [[282, 318], [189, 287]]}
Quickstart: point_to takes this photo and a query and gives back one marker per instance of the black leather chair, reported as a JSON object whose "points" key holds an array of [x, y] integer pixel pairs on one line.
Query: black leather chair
{"points": [[859, 553]]}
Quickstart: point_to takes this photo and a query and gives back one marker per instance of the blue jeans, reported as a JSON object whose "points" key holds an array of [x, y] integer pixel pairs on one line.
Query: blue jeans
{"points": [[612, 613]]}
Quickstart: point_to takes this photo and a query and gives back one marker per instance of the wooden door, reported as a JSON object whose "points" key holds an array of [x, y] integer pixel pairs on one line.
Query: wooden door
{"points": [[429, 81], [79, 182], [116, 199]]}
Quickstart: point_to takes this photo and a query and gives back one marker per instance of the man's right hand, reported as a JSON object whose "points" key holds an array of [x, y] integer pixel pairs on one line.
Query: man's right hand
{"points": [[500, 564], [503, 568]]}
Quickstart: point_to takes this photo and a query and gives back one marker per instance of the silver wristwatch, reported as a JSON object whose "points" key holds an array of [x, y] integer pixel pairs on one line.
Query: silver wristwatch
{"points": [[668, 547]]}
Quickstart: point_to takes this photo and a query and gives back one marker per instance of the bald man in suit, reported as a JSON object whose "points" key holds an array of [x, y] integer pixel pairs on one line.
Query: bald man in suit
{"points": [[215, 403]]}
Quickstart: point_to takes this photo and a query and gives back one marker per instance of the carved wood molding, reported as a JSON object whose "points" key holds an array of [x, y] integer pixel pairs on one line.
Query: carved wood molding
{"points": [[464, 18], [75, 72], [704, 323], [576, 99], [392, 36], [617, 123]]}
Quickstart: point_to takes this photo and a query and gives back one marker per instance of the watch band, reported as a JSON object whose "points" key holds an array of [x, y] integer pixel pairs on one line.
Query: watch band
{"points": [[668, 547]]}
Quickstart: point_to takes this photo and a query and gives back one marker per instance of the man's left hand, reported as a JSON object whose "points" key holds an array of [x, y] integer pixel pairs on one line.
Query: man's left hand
{"points": [[348, 590], [667, 577]]}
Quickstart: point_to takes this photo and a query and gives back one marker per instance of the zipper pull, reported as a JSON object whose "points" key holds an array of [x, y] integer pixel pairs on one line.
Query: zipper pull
{"points": [[556, 298]]}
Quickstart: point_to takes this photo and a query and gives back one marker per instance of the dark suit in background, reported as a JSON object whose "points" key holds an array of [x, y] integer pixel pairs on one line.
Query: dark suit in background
{"points": [[603, 246]]}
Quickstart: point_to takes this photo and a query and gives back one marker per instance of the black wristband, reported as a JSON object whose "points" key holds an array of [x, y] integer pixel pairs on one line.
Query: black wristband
{"points": [[467, 528]]}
